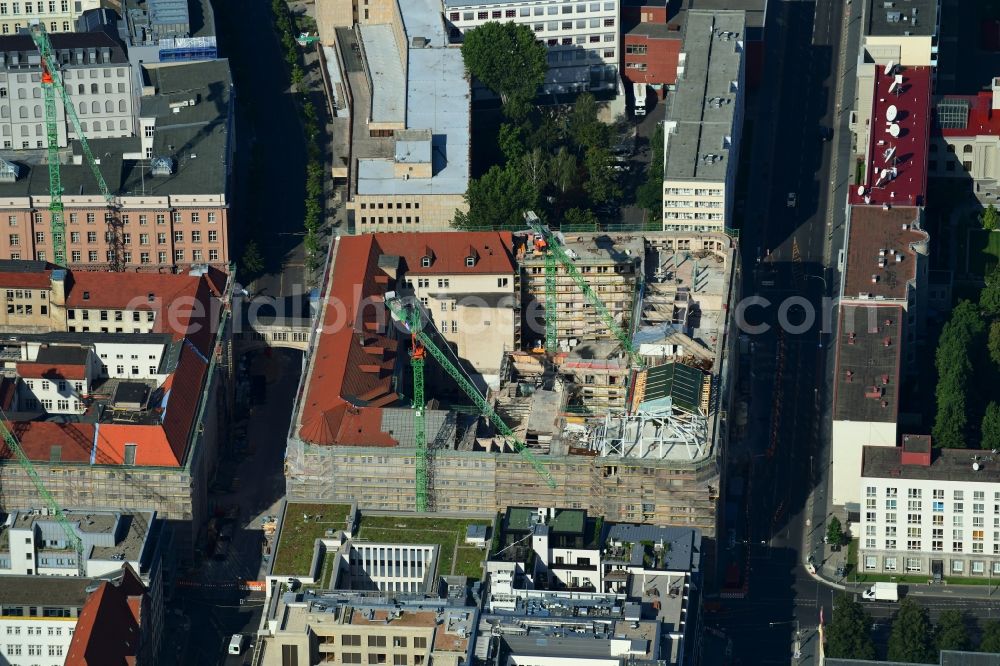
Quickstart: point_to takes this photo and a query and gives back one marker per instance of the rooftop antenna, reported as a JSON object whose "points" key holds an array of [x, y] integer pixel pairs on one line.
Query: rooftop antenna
{"points": [[889, 153]]}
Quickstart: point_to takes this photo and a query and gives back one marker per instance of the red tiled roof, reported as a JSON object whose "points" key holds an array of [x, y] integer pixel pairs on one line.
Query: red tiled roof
{"points": [[38, 437], [109, 629], [25, 279], [449, 250], [981, 121], [911, 103], [8, 389], [877, 236], [32, 370]]}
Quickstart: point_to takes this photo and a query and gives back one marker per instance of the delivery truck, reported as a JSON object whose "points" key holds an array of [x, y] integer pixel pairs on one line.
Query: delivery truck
{"points": [[882, 592], [640, 98]]}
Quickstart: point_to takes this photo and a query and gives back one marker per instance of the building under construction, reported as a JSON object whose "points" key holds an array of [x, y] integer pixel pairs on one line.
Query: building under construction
{"points": [[633, 432]]}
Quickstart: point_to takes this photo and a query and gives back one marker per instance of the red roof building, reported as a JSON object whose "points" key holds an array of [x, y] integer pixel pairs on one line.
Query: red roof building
{"points": [[895, 169], [352, 369], [114, 626]]}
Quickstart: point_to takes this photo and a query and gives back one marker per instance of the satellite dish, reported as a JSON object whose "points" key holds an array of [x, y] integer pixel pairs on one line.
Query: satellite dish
{"points": [[891, 113], [894, 130], [976, 467], [861, 190], [889, 67]]}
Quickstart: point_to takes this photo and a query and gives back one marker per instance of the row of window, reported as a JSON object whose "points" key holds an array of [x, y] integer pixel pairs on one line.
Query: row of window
{"points": [[580, 8], [31, 7], [37, 631], [569, 41], [399, 205], [397, 659], [693, 191], [7, 28], [936, 493], [180, 256], [391, 220], [890, 563], [177, 217], [14, 650], [681, 203], [161, 239], [579, 24], [354, 640], [20, 310], [47, 385]]}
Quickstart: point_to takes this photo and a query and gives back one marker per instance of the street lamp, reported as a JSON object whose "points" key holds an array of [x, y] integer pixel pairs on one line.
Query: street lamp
{"points": [[798, 653]]}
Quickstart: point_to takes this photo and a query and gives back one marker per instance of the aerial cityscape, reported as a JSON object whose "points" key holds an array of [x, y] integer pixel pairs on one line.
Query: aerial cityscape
{"points": [[500, 332]]}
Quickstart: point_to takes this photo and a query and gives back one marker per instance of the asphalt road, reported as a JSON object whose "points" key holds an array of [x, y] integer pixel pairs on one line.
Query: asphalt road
{"points": [[210, 595], [788, 252]]}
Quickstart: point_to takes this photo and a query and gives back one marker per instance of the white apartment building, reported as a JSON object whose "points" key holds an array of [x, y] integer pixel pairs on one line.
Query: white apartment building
{"points": [[38, 616], [55, 15], [704, 124], [387, 567], [929, 512], [583, 36], [96, 76]]}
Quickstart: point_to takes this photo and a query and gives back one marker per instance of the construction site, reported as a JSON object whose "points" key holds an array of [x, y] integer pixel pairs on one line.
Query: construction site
{"points": [[613, 396]]}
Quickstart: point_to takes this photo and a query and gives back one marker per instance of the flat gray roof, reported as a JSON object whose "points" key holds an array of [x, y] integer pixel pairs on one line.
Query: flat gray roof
{"points": [[422, 18], [884, 462], [913, 17], [702, 110], [682, 544], [386, 67]]}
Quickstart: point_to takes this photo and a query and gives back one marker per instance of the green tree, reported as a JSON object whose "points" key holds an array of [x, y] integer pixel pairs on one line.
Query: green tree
{"points": [[990, 431], [990, 218], [954, 366], [602, 182], [649, 195], [990, 641], [563, 170], [951, 632], [510, 140], [989, 297], [580, 218], [848, 635], [497, 200], [834, 532], [912, 636], [534, 168], [253, 262], [993, 342], [509, 60], [585, 129]]}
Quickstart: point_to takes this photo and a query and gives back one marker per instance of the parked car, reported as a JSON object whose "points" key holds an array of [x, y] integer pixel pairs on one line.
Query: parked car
{"points": [[792, 200]]}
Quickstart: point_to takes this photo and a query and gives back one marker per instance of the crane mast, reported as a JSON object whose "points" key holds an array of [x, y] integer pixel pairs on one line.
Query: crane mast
{"points": [[52, 84], [414, 322]]}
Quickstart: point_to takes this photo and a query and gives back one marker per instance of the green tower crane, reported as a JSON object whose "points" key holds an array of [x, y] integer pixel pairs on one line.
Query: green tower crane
{"points": [[51, 86], [554, 248], [56, 511], [417, 355], [415, 323]]}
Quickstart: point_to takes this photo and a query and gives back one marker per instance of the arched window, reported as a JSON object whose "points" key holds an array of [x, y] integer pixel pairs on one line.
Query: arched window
{"points": [[107, 87], [38, 111], [96, 107], [122, 125], [967, 149], [109, 106], [83, 126], [94, 88], [23, 112], [110, 125], [80, 89], [121, 106], [4, 112], [83, 107]]}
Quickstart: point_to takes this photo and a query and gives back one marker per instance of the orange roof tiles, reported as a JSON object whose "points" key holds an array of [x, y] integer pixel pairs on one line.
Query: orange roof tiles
{"points": [[25, 280], [38, 437], [32, 370], [110, 628], [449, 249]]}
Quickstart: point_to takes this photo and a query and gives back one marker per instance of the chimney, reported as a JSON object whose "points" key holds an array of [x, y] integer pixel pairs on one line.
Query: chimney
{"points": [[916, 450], [995, 86]]}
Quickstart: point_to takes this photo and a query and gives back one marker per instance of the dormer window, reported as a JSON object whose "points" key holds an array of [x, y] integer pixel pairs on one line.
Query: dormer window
{"points": [[86, 295], [470, 262], [425, 261], [471, 257]]}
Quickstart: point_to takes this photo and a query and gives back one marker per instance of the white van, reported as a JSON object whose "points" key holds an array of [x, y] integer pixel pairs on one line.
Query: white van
{"points": [[236, 643]]}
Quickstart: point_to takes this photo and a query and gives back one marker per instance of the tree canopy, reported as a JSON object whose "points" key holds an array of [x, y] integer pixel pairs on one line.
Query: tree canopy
{"points": [[834, 531], [951, 632], [911, 638], [990, 218], [848, 635], [954, 366], [498, 199], [990, 641], [509, 60], [650, 193]]}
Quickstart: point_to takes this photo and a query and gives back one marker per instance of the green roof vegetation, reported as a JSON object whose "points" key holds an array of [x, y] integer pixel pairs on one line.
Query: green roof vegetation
{"points": [[454, 558], [298, 535]]}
